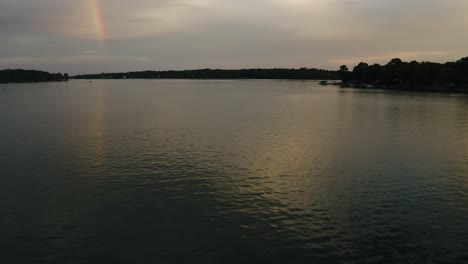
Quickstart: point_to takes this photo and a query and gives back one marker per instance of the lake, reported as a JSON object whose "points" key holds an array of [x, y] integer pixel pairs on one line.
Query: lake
{"points": [[231, 171]]}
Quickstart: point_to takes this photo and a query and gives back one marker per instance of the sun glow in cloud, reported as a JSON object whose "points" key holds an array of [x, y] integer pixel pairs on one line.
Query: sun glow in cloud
{"points": [[98, 19], [181, 34]]}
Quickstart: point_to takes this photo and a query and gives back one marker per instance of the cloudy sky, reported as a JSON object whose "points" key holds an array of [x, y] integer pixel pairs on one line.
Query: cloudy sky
{"points": [[88, 36]]}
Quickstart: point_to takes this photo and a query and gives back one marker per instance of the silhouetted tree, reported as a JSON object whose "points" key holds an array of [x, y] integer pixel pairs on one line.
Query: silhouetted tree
{"points": [[302, 73], [411, 75], [395, 74], [344, 73], [29, 76], [361, 73]]}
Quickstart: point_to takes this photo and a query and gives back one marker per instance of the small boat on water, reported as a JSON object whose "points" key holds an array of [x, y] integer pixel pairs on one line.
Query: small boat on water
{"points": [[323, 82]]}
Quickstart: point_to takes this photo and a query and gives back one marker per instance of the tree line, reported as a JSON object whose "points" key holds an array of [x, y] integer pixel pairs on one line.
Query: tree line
{"points": [[18, 76], [409, 75], [396, 74], [302, 73]]}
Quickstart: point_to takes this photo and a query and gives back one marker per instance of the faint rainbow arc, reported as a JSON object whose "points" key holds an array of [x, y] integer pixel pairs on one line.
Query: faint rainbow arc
{"points": [[98, 20]]}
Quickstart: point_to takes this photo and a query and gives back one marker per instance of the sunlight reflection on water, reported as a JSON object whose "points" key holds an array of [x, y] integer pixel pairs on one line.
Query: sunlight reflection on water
{"points": [[208, 171]]}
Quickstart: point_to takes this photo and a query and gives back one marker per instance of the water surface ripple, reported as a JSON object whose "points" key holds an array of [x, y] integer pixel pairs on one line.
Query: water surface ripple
{"points": [[186, 171]]}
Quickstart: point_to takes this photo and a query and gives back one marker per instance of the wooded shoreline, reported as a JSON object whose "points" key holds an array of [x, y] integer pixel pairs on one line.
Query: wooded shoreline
{"points": [[30, 76], [395, 75]]}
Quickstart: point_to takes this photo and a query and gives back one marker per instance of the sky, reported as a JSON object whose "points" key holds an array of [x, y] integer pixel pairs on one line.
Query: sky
{"points": [[94, 36]]}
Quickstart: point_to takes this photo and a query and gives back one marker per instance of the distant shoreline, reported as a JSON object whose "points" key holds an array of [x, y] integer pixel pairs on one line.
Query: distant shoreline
{"points": [[335, 83], [420, 89], [275, 73], [30, 76], [26, 82], [449, 77]]}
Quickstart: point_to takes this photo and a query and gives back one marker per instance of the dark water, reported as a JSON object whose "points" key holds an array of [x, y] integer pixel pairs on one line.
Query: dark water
{"points": [[231, 172]]}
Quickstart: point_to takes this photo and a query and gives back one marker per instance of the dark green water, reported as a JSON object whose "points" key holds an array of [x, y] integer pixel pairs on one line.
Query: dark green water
{"points": [[181, 171]]}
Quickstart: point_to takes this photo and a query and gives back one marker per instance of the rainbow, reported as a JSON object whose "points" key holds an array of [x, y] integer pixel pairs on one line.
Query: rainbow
{"points": [[98, 20]]}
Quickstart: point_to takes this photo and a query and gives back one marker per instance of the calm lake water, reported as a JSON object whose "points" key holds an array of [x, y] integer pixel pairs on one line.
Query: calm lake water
{"points": [[250, 171]]}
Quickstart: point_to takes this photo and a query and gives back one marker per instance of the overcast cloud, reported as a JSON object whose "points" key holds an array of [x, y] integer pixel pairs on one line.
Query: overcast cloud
{"points": [[63, 35]]}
